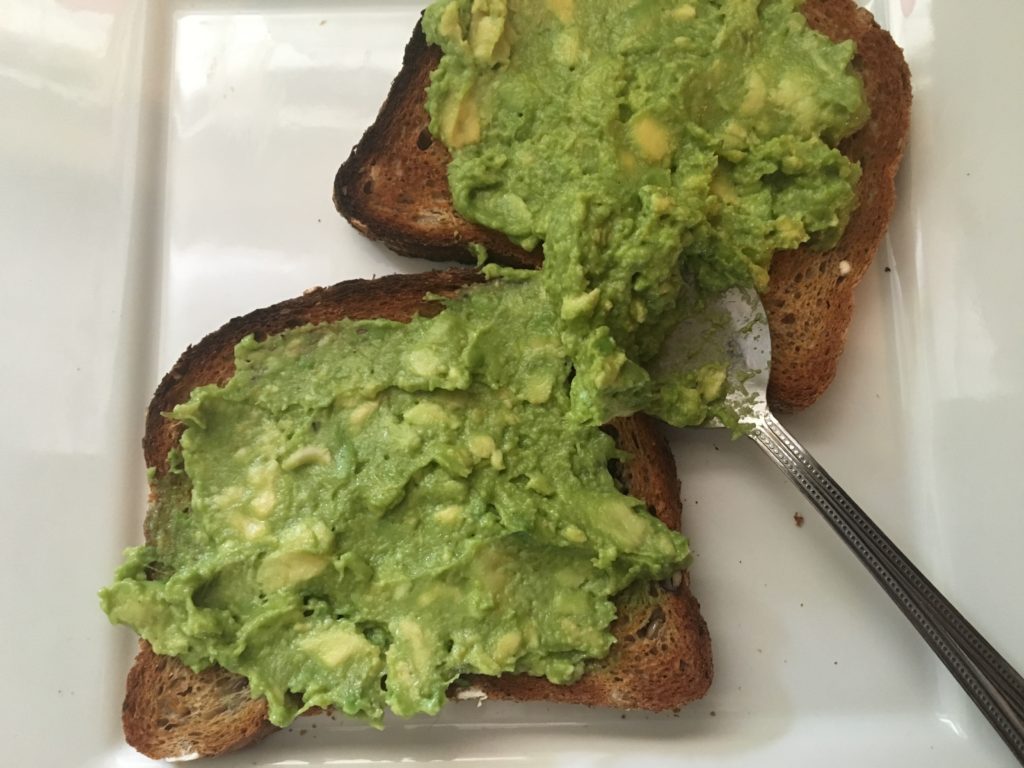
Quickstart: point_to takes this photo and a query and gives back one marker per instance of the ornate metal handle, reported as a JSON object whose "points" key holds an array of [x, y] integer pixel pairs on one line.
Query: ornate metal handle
{"points": [[995, 686]]}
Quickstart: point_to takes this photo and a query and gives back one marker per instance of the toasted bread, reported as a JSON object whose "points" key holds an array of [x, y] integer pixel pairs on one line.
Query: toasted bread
{"points": [[393, 188], [662, 655]]}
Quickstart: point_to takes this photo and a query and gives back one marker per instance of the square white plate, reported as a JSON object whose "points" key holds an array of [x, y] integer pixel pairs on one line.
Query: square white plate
{"points": [[167, 165]]}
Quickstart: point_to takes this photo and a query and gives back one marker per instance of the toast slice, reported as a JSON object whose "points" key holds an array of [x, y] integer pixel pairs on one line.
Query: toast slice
{"points": [[662, 656], [393, 188]]}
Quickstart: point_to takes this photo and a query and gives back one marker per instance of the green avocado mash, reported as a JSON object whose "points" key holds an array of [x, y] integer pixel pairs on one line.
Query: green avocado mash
{"points": [[368, 510], [372, 501], [643, 143]]}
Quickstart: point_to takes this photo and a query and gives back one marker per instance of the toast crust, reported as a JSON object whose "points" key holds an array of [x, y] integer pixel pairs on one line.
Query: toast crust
{"points": [[393, 188], [394, 185], [809, 301], [662, 657]]}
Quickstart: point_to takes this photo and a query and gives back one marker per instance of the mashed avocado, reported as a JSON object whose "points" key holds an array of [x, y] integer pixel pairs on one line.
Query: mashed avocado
{"points": [[373, 502], [368, 510], [644, 144]]}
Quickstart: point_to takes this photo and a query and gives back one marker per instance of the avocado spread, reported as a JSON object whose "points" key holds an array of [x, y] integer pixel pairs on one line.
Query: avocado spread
{"points": [[645, 144], [369, 509], [378, 502]]}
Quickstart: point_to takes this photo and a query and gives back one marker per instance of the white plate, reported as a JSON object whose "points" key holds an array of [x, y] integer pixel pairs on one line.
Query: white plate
{"points": [[166, 165]]}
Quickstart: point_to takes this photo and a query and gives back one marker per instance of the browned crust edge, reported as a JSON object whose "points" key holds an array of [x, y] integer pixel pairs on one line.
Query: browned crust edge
{"points": [[439, 233], [807, 342]]}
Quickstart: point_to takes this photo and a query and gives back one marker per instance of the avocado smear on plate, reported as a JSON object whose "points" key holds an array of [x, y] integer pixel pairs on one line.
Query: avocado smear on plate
{"points": [[369, 509]]}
